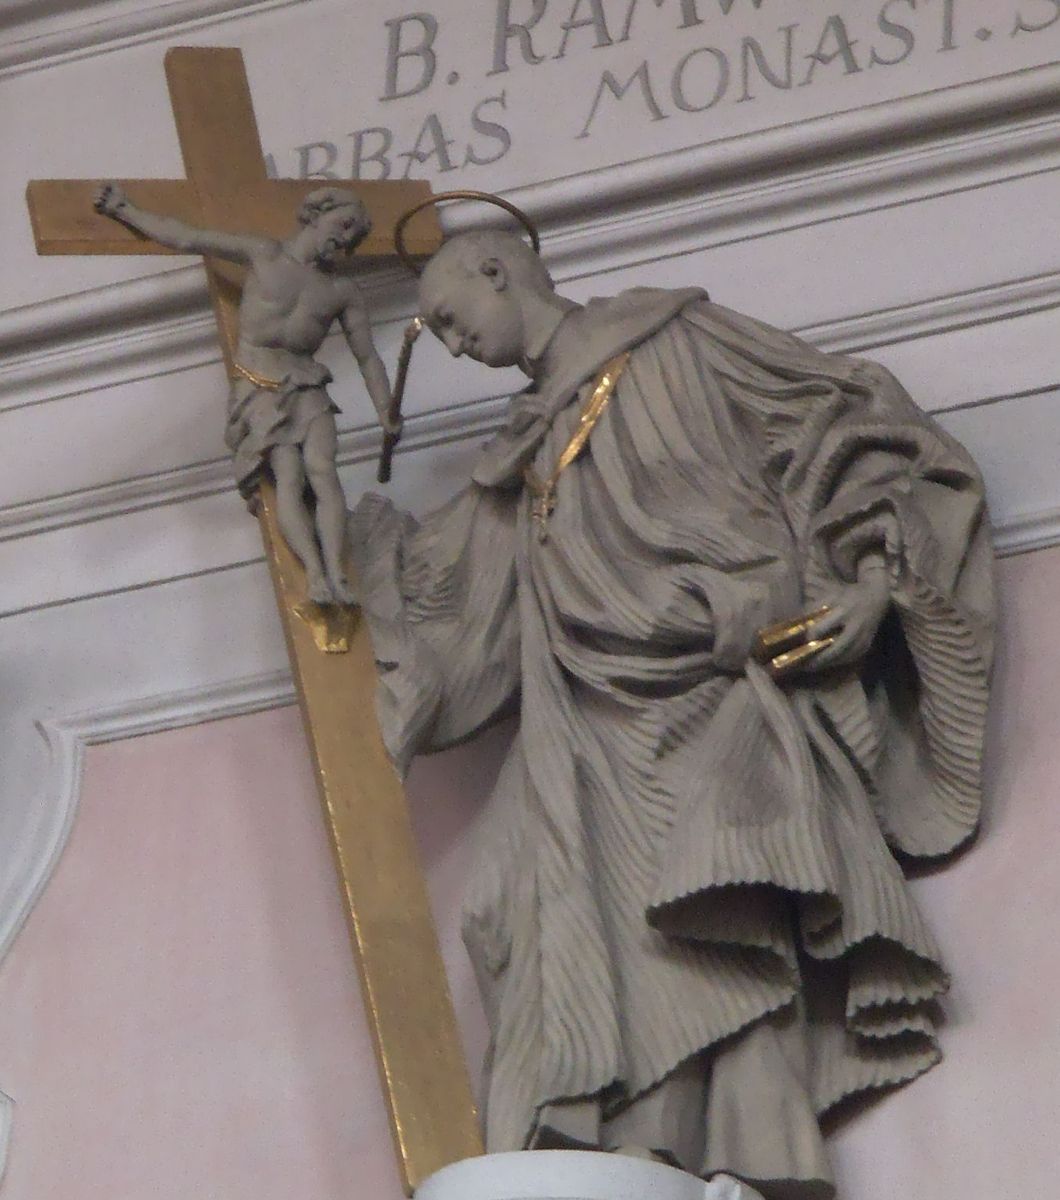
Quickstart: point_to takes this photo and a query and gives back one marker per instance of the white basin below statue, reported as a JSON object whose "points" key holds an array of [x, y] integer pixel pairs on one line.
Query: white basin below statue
{"points": [[573, 1175]]}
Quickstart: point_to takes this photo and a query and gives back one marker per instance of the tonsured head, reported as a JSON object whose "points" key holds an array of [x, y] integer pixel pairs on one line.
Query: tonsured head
{"points": [[339, 219], [476, 294]]}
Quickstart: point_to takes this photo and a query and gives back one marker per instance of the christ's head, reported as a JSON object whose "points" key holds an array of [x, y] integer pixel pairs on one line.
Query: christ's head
{"points": [[489, 296], [338, 220]]}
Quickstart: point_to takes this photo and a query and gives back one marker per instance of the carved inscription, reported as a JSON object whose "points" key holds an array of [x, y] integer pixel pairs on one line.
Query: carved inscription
{"points": [[639, 62]]}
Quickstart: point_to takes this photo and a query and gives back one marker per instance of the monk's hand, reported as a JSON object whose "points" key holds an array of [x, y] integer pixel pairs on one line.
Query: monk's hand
{"points": [[110, 200], [854, 615]]}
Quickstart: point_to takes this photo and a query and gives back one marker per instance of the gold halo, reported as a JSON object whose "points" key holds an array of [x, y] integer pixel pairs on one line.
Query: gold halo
{"points": [[464, 194]]}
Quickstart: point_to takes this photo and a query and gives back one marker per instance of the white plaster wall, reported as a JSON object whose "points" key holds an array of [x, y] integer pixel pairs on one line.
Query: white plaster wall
{"points": [[906, 210]]}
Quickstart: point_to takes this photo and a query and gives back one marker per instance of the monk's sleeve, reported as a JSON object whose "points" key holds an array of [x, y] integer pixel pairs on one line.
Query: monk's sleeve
{"points": [[876, 476], [439, 598]]}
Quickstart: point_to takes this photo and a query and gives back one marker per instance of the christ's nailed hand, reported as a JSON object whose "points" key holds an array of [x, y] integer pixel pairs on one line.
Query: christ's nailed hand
{"points": [[109, 200]]}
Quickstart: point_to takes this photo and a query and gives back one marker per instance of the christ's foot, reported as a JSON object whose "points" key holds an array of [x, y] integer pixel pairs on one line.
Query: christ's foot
{"points": [[320, 591], [344, 591]]}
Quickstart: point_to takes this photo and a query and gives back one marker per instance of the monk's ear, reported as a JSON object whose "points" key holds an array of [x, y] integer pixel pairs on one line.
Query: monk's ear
{"points": [[496, 272]]}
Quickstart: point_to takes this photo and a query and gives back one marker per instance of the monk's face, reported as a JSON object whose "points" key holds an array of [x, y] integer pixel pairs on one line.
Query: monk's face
{"points": [[473, 311]]}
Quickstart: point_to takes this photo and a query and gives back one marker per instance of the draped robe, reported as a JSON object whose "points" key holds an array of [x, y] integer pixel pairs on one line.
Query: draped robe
{"points": [[678, 850]]}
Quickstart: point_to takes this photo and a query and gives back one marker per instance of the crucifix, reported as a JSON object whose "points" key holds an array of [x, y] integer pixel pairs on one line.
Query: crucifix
{"points": [[406, 994]]}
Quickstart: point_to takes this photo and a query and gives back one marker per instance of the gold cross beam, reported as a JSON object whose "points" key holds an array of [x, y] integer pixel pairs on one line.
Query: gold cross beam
{"points": [[406, 994]]}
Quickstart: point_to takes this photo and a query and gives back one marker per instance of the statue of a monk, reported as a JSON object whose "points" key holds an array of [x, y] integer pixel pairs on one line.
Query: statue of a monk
{"points": [[689, 919]]}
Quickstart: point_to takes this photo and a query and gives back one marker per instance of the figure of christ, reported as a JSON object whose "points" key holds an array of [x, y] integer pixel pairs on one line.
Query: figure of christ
{"points": [[689, 917], [280, 414]]}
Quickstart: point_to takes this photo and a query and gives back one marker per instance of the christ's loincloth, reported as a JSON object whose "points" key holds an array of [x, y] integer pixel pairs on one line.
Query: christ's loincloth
{"points": [[263, 413]]}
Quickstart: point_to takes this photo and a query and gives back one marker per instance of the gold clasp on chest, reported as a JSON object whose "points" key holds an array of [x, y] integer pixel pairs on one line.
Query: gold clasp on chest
{"points": [[543, 491]]}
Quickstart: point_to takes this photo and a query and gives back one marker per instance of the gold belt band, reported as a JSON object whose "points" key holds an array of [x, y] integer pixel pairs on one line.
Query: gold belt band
{"points": [[786, 635], [544, 490], [261, 381], [785, 646], [787, 662]]}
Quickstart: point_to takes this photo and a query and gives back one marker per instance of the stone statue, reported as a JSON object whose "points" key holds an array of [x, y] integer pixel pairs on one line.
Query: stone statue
{"points": [[689, 918], [280, 414]]}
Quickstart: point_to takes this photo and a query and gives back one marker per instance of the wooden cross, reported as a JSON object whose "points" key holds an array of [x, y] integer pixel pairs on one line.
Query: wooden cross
{"points": [[403, 980]]}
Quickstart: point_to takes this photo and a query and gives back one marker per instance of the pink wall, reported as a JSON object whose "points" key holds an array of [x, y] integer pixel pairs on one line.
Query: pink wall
{"points": [[181, 1017], [986, 1122]]}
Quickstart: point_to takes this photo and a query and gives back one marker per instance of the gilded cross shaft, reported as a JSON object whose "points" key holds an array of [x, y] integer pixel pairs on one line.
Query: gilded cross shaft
{"points": [[406, 994]]}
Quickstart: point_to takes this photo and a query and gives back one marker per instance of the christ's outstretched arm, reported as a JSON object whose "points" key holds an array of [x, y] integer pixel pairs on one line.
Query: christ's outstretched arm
{"points": [[111, 201]]}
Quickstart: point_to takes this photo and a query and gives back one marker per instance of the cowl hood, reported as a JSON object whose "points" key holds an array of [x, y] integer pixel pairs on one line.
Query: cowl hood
{"points": [[584, 341]]}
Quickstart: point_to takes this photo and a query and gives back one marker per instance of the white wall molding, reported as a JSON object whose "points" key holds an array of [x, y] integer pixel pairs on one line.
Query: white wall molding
{"points": [[33, 860], [127, 332], [706, 197], [1017, 534], [192, 340], [853, 161], [727, 207], [1026, 532], [475, 419], [45, 35], [938, 315], [97, 338]]}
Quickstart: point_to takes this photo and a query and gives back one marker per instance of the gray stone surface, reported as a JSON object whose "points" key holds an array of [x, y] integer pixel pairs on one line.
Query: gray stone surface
{"points": [[279, 411], [691, 930]]}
